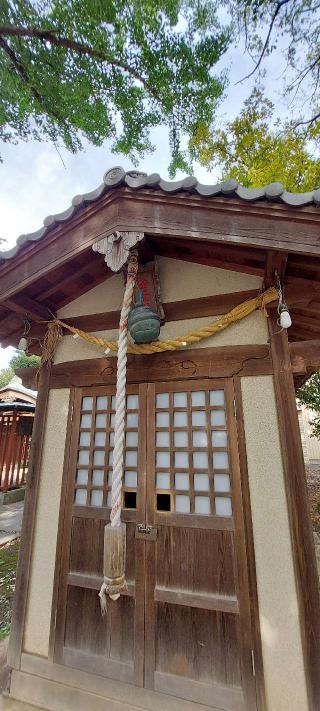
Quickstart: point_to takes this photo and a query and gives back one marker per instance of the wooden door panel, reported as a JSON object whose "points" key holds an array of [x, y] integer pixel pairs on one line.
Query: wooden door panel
{"points": [[194, 627], [180, 566], [113, 645], [183, 627], [198, 644], [86, 631]]}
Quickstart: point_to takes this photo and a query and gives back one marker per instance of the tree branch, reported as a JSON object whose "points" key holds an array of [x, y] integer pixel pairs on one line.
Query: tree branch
{"points": [[20, 69], [304, 72], [273, 19], [78, 47], [309, 121]]}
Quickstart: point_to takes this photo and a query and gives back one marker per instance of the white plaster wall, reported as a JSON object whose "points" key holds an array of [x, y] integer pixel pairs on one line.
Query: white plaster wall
{"points": [[179, 280], [278, 606], [37, 628]]}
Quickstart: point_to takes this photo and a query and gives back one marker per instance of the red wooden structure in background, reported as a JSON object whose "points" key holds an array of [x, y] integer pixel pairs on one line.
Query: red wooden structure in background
{"points": [[15, 439]]}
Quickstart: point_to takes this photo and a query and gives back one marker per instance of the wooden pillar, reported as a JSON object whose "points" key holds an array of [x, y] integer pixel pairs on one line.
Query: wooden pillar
{"points": [[28, 523], [299, 518]]}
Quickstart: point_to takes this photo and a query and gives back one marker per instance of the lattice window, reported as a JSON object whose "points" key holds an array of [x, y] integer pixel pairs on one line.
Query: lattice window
{"points": [[95, 451], [192, 458]]}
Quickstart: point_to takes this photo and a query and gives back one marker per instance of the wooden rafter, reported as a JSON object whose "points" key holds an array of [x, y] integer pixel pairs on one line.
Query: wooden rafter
{"points": [[22, 304]]}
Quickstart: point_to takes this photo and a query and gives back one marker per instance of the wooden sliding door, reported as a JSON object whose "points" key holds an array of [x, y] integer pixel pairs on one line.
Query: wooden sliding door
{"points": [[184, 627]]}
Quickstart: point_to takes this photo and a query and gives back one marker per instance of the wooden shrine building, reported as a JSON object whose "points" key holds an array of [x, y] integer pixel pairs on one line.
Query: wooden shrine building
{"points": [[17, 406], [222, 605]]}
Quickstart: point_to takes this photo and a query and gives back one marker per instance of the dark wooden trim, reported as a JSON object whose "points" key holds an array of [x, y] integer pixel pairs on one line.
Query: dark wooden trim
{"points": [[60, 588], [220, 603], [299, 518], [93, 582], [250, 554], [74, 402], [173, 310], [225, 361], [155, 213], [275, 265], [22, 304], [305, 356], [28, 524]]}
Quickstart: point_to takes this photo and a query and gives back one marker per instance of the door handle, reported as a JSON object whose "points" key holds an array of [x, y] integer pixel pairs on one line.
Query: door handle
{"points": [[149, 533]]}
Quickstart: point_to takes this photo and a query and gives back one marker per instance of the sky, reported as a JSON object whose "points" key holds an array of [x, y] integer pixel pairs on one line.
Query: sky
{"points": [[35, 182]]}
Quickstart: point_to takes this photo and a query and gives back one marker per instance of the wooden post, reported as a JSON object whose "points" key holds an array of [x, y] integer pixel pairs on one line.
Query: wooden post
{"points": [[28, 523], [299, 518]]}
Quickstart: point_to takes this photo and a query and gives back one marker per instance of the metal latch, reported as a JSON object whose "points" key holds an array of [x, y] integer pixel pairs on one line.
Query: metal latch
{"points": [[149, 533]]}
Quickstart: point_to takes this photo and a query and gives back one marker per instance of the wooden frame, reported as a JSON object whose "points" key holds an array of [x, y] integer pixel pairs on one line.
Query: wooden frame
{"points": [[224, 361], [303, 549], [249, 542], [246, 543], [29, 519]]}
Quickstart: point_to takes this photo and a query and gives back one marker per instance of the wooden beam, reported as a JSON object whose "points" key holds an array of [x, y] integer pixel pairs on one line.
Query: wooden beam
{"points": [[215, 305], [22, 304], [237, 259], [161, 215], [303, 550], [94, 266], [305, 355], [275, 265], [225, 361], [174, 310], [28, 524]]}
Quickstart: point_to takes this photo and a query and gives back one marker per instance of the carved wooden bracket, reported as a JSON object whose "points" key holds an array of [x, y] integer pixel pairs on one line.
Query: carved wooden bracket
{"points": [[116, 247]]}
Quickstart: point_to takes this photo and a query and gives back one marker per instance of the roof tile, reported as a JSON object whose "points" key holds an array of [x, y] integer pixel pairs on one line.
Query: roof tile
{"points": [[135, 180]]}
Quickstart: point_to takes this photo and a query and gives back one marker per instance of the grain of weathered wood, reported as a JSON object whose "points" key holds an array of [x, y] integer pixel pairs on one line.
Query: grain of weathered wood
{"points": [[305, 355], [224, 361], [250, 554], [275, 268], [299, 518], [29, 519]]}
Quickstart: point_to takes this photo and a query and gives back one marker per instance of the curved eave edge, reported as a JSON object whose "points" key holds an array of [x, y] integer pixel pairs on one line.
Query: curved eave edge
{"points": [[117, 177]]}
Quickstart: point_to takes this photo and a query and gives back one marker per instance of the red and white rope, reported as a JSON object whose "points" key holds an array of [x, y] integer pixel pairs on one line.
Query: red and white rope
{"points": [[120, 416]]}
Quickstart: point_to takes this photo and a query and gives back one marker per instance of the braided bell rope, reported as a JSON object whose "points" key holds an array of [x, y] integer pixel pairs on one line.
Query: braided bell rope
{"points": [[117, 474], [236, 314]]}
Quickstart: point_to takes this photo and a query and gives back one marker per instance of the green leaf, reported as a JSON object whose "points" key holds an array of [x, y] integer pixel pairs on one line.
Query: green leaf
{"points": [[73, 70]]}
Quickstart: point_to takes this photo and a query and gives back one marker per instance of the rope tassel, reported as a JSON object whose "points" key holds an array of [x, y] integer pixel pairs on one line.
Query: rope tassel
{"points": [[115, 532], [114, 561]]}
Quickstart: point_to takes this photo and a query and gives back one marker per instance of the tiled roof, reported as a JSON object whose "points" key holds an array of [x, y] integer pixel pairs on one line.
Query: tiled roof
{"points": [[115, 177], [16, 385]]}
